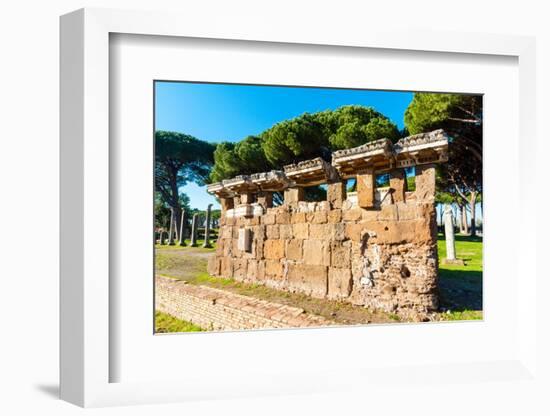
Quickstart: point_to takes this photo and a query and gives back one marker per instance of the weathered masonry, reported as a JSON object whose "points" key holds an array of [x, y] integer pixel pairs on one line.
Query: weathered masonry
{"points": [[374, 247]]}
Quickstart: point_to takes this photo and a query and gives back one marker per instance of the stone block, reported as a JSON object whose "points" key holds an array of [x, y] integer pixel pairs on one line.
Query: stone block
{"points": [[300, 230], [282, 218], [388, 213], [398, 183], [274, 249], [353, 214], [336, 194], [298, 217], [319, 217], [337, 231], [285, 231], [245, 240], [365, 190], [406, 211], [425, 230], [334, 216], [272, 232], [226, 267], [226, 232], [227, 247], [235, 251], [239, 269], [213, 267], [293, 195], [339, 283], [268, 219], [316, 252], [265, 199], [308, 279], [219, 247], [252, 270], [354, 231], [425, 183], [320, 231], [323, 206], [340, 253], [273, 269], [294, 250], [392, 232]]}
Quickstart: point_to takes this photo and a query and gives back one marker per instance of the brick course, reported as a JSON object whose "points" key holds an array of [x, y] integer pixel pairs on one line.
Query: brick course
{"points": [[215, 309]]}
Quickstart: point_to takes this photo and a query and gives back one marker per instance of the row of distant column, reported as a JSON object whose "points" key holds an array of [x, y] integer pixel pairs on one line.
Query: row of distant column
{"points": [[194, 230]]}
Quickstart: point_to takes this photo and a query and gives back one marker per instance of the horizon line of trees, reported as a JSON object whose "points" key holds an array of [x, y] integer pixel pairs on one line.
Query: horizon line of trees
{"points": [[181, 158]]}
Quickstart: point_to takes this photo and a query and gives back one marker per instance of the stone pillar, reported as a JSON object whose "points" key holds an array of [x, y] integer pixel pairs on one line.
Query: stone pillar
{"points": [[171, 232], [336, 193], [265, 199], [206, 243], [398, 182], [425, 183], [294, 195], [182, 229], [365, 189], [194, 230], [449, 232], [236, 200]]}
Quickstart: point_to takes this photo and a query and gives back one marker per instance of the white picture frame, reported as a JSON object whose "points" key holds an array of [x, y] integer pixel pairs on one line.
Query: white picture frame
{"points": [[86, 335]]}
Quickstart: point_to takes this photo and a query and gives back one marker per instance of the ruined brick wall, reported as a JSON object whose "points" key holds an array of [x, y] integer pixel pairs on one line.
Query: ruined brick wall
{"points": [[214, 309], [376, 248]]}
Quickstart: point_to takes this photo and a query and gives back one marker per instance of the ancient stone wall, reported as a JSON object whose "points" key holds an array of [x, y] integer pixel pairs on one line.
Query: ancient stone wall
{"points": [[375, 247]]}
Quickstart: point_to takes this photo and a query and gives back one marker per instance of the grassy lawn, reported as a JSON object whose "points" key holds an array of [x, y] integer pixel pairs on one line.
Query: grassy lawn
{"points": [[461, 286], [167, 323]]}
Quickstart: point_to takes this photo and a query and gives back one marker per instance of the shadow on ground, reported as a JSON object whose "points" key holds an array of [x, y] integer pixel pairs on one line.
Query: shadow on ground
{"points": [[461, 290], [51, 390]]}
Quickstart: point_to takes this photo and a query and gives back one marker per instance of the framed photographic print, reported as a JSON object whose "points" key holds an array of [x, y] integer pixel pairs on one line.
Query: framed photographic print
{"points": [[286, 213]]}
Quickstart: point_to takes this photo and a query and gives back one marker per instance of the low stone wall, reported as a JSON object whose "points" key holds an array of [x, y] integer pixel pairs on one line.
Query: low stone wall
{"points": [[215, 309], [383, 257]]}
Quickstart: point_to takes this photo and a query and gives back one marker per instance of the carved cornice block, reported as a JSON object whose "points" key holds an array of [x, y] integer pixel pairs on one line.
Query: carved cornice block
{"points": [[311, 172]]}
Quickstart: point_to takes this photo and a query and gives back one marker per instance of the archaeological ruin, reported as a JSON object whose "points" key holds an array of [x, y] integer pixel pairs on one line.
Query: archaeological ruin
{"points": [[374, 247]]}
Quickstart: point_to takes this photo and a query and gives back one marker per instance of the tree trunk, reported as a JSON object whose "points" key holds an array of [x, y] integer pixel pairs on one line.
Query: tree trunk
{"points": [[194, 230], [181, 237], [171, 228], [206, 243], [173, 200], [473, 196], [464, 220]]}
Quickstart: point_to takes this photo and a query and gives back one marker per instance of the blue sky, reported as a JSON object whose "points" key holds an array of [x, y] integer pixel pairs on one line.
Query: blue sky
{"points": [[226, 112]]}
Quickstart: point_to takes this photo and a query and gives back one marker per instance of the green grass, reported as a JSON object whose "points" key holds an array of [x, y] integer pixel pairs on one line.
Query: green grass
{"points": [[167, 323], [460, 287]]}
